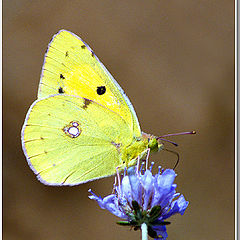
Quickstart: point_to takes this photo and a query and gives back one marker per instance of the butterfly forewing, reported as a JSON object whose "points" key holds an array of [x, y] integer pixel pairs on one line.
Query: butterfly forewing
{"points": [[70, 67]]}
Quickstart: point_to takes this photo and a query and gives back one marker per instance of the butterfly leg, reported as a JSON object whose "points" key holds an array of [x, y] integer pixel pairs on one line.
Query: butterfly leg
{"points": [[147, 157], [118, 179], [144, 153], [138, 163], [114, 185]]}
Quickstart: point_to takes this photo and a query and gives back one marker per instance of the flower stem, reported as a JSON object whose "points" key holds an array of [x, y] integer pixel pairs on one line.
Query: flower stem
{"points": [[144, 231]]}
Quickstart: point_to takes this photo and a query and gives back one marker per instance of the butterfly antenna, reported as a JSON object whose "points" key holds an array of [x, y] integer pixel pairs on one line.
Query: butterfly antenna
{"points": [[166, 140], [178, 157], [162, 138], [176, 134]]}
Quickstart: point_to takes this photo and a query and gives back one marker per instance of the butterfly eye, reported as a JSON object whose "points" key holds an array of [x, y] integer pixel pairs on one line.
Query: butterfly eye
{"points": [[101, 90]]}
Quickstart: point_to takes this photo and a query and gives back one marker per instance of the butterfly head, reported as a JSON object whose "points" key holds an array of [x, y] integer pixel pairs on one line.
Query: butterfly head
{"points": [[154, 144]]}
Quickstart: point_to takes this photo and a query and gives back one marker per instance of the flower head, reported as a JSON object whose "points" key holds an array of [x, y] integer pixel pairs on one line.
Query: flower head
{"points": [[142, 197]]}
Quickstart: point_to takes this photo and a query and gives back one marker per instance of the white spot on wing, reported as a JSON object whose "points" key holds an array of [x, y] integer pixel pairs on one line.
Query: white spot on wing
{"points": [[72, 129], [75, 124]]}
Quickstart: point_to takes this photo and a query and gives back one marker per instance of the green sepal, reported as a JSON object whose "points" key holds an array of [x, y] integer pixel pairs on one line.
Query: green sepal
{"points": [[155, 213], [137, 210], [150, 218], [134, 223], [124, 223], [152, 233], [159, 222]]}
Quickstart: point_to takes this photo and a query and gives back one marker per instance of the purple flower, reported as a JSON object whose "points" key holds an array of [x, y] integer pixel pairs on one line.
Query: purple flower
{"points": [[145, 198]]}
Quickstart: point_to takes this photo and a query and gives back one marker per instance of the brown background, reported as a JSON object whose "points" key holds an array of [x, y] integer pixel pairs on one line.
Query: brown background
{"points": [[175, 61]]}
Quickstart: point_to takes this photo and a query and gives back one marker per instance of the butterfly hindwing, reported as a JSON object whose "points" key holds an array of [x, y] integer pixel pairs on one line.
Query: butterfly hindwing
{"points": [[69, 140]]}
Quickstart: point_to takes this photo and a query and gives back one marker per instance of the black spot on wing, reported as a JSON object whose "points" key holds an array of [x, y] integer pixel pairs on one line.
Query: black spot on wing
{"points": [[117, 145], [61, 76], [66, 54], [101, 90], [83, 46], [60, 90], [86, 103]]}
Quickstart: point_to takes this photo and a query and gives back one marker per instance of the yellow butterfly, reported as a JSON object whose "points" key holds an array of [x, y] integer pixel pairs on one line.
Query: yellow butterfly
{"points": [[82, 126]]}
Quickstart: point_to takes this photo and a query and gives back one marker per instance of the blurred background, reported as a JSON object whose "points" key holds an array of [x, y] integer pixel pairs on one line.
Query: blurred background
{"points": [[175, 61]]}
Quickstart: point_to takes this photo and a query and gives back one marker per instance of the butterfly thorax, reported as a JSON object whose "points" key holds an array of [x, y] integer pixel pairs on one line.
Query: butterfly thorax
{"points": [[131, 152], [139, 147]]}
